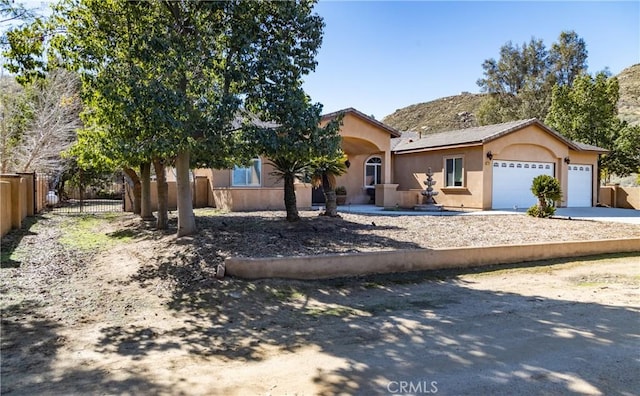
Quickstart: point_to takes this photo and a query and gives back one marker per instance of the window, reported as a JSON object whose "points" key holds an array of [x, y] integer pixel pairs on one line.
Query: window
{"points": [[373, 171], [453, 169], [249, 176]]}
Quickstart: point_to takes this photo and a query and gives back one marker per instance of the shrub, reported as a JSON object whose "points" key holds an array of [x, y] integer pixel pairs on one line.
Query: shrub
{"points": [[547, 189], [341, 190]]}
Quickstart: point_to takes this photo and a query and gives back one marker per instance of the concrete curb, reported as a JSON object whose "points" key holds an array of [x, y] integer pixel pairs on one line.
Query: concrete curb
{"points": [[352, 264]]}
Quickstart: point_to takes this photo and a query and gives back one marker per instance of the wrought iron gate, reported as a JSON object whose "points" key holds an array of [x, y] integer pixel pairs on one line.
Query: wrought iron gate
{"points": [[63, 196]]}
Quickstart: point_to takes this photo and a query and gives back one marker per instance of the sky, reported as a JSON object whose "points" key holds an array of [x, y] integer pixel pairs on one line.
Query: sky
{"points": [[380, 56]]}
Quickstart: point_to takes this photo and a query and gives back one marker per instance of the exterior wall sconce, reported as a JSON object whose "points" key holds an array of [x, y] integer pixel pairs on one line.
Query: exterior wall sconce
{"points": [[567, 160], [347, 163], [489, 155]]}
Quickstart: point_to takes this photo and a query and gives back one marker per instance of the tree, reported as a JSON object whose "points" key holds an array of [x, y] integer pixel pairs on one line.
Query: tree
{"points": [[296, 141], [324, 171], [175, 74], [547, 189], [587, 112], [568, 58], [521, 80], [9, 11], [38, 122]]}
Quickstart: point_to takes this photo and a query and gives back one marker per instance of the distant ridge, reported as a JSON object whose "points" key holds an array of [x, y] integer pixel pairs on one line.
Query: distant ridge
{"points": [[459, 111], [452, 112], [629, 103]]}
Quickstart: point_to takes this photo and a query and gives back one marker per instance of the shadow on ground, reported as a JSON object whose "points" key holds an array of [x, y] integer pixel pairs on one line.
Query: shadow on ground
{"points": [[11, 241], [419, 328]]}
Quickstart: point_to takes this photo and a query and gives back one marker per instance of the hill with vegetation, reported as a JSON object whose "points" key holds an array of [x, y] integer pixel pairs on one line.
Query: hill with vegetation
{"points": [[452, 112], [456, 112], [629, 102]]}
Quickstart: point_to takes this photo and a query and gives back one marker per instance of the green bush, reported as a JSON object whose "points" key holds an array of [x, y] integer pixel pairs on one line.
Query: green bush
{"points": [[547, 189], [536, 211]]}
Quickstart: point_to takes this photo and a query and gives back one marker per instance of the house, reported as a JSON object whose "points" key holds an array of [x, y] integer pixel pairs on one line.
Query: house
{"points": [[489, 167], [365, 141], [492, 167]]}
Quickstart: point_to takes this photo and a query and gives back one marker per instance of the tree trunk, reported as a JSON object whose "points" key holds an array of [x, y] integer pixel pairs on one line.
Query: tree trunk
{"points": [[163, 195], [145, 182], [186, 218], [331, 206], [290, 202], [137, 190]]}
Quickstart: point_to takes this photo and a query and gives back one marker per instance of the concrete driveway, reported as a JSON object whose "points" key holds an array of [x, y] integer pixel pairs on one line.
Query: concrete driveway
{"points": [[631, 216]]}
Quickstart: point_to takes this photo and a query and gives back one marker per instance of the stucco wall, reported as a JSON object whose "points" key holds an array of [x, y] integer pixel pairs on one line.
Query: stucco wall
{"points": [[246, 199], [356, 264], [410, 173], [17, 201], [5, 207], [361, 139], [620, 197], [529, 144]]}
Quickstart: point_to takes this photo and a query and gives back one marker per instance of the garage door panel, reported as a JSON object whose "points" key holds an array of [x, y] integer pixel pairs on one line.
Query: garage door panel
{"points": [[580, 185], [512, 182]]}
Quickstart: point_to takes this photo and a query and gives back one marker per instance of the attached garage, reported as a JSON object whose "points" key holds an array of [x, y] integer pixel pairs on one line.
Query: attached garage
{"points": [[494, 166], [580, 184], [512, 182]]}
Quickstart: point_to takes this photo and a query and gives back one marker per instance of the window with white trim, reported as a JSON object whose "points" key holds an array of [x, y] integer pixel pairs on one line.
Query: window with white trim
{"points": [[453, 172], [373, 171], [249, 176]]}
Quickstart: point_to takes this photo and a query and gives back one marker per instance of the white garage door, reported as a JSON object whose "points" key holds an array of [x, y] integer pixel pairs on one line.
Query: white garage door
{"points": [[512, 183], [580, 185]]}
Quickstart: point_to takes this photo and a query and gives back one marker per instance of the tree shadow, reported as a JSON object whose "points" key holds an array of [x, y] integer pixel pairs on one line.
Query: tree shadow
{"points": [[12, 239], [30, 348], [391, 329]]}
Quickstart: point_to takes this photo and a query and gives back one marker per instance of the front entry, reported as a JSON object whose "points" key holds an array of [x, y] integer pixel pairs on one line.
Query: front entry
{"points": [[317, 196]]}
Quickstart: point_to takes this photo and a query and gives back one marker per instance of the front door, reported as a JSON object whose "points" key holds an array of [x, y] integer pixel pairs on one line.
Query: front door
{"points": [[317, 196]]}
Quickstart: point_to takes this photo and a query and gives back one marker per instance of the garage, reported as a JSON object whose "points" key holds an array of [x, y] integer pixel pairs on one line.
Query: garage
{"points": [[512, 182], [580, 180]]}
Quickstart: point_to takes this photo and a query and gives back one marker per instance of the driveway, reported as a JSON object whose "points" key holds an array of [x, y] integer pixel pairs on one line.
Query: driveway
{"points": [[630, 216]]}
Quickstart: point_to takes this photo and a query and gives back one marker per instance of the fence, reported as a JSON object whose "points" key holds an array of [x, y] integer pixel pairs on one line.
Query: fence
{"points": [[25, 194], [620, 197], [105, 195]]}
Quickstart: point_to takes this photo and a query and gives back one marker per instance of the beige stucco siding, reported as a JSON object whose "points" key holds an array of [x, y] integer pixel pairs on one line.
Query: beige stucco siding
{"points": [[528, 144], [362, 140], [410, 173]]}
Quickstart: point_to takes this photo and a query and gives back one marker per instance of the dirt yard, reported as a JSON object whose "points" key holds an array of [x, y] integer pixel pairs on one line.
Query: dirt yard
{"points": [[106, 305]]}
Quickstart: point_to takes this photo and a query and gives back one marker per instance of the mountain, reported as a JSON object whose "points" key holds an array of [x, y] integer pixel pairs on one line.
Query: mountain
{"points": [[629, 102], [452, 112], [456, 112]]}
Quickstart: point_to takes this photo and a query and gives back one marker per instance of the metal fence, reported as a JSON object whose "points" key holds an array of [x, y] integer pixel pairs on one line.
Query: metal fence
{"points": [[101, 195]]}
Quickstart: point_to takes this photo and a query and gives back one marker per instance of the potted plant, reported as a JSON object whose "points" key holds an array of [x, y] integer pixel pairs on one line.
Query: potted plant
{"points": [[341, 195]]}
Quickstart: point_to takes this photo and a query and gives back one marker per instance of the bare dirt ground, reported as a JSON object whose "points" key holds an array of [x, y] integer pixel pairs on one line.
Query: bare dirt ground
{"points": [[106, 305]]}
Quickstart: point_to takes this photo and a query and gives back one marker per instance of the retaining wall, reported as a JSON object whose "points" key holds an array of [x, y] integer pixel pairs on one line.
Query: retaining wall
{"points": [[339, 265]]}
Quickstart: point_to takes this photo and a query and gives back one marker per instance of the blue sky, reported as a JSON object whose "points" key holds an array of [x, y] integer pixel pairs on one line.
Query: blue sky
{"points": [[379, 56]]}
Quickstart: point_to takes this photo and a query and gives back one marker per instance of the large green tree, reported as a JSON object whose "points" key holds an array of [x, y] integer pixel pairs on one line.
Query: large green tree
{"points": [[587, 112], [166, 79], [521, 80]]}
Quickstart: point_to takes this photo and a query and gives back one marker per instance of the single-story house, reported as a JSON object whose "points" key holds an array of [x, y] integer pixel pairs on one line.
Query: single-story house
{"points": [[488, 167]]}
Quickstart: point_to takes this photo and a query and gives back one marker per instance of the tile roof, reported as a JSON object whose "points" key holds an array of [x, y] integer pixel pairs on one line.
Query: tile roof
{"points": [[392, 131], [478, 136], [589, 147]]}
